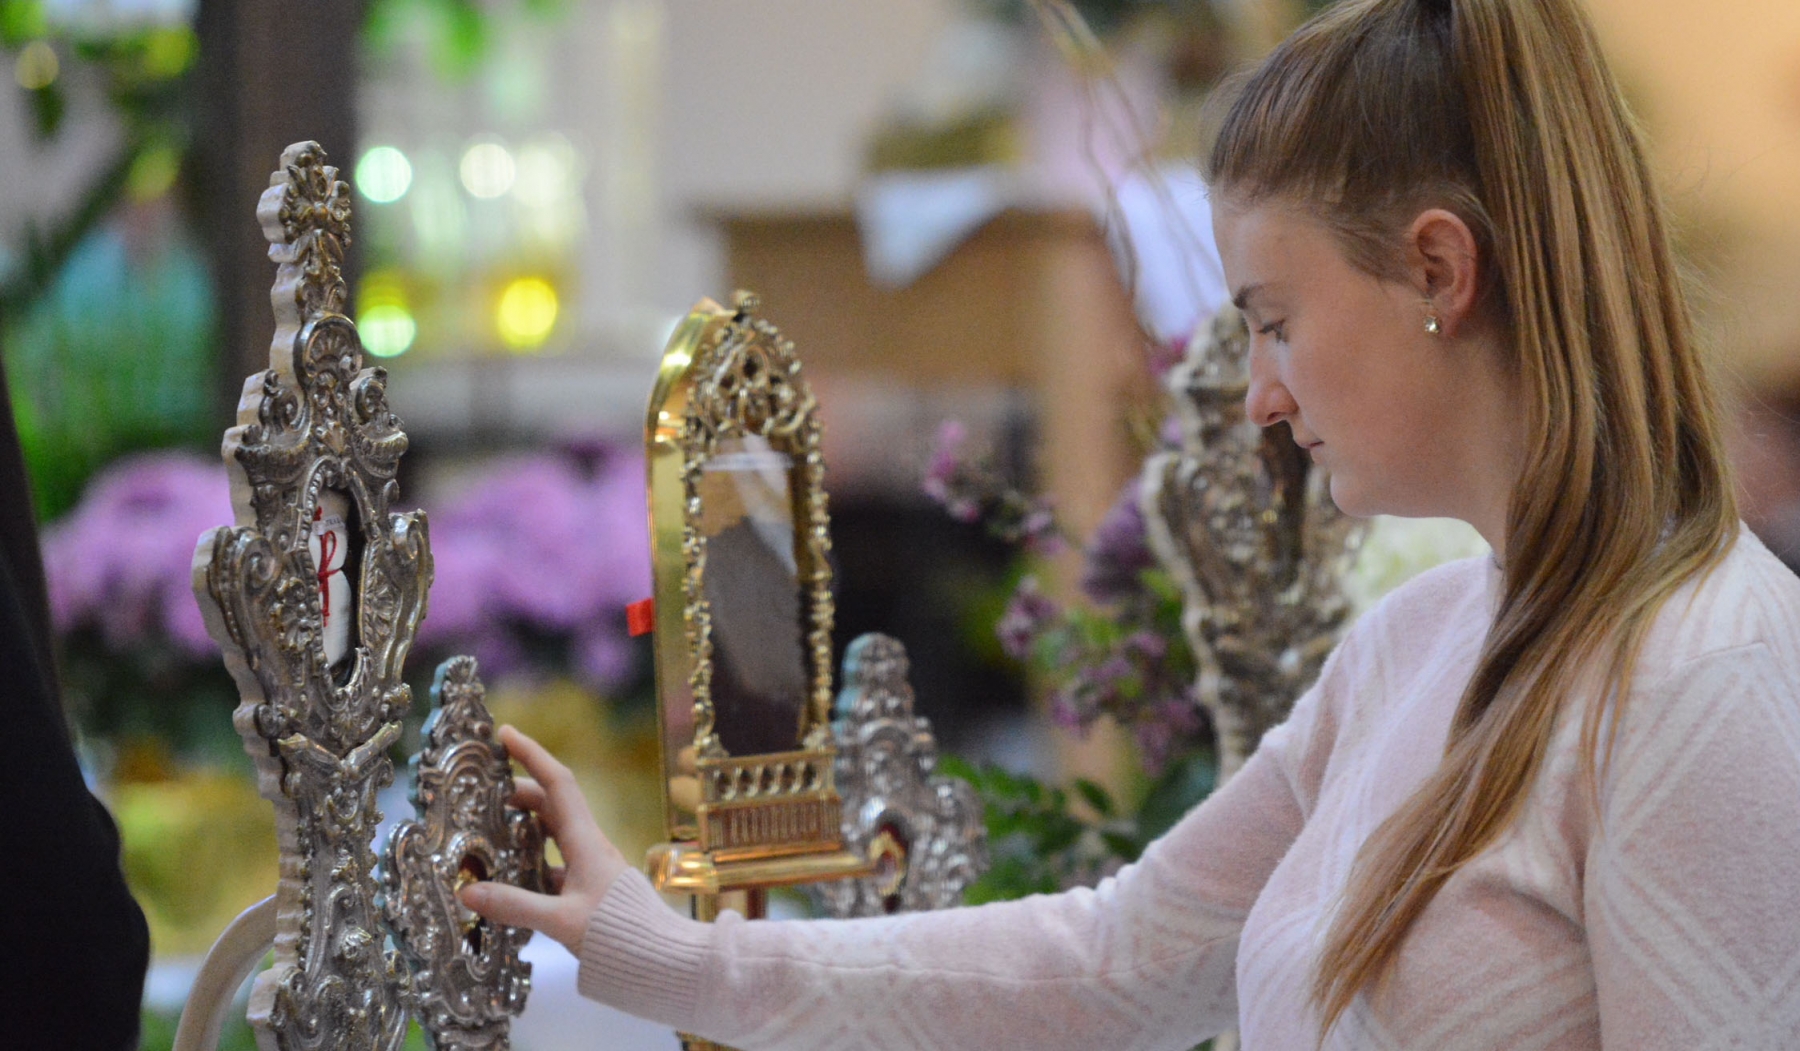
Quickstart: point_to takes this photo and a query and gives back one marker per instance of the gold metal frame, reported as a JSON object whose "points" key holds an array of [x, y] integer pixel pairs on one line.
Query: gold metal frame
{"points": [[762, 820]]}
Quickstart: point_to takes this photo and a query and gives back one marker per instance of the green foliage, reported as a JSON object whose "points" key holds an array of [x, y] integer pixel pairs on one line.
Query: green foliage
{"points": [[114, 358], [20, 21], [459, 34], [1043, 839], [158, 1033], [151, 691], [105, 348]]}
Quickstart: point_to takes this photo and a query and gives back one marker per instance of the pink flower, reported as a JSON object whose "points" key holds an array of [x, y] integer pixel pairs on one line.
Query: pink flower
{"points": [[552, 543], [123, 559], [1119, 551]]}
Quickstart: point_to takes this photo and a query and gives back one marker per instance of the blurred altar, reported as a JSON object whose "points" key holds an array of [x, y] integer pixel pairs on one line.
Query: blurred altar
{"points": [[985, 244]]}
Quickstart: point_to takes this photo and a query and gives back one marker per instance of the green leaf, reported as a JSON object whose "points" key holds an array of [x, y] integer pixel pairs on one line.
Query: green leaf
{"points": [[463, 39], [47, 108], [1095, 796], [21, 20], [1187, 781], [1058, 836], [1125, 847]]}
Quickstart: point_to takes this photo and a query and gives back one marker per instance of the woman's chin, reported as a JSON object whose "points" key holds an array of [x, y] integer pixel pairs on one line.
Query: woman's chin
{"points": [[1351, 500]]}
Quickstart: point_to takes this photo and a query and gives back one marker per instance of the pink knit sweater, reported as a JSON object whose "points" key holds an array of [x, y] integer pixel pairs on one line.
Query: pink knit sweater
{"points": [[1671, 919]]}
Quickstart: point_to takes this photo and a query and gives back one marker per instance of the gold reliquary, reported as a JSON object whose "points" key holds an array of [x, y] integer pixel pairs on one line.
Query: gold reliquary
{"points": [[743, 616]]}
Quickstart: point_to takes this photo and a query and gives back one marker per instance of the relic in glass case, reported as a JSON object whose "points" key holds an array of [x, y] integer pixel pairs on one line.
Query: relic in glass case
{"points": [[743, 615]]}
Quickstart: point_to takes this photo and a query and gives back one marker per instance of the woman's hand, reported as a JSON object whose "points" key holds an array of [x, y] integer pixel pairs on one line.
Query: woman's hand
{"points": [[592, 862]]}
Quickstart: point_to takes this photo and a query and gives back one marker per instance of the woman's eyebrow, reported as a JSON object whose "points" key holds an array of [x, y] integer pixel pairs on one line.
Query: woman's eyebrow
{"points": [[1242, 299]]}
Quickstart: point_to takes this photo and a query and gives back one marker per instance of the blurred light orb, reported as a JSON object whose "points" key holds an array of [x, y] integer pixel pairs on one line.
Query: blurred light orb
{"points": [[153, 172], [169, 51], [37, 66], [439, 212], [387, 330], [487, 170], [527, 313], [384, 174], [545, 172]]}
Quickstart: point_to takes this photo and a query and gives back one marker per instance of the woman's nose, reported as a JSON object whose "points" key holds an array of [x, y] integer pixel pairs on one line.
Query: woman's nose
{"points": [[1268, 401]]}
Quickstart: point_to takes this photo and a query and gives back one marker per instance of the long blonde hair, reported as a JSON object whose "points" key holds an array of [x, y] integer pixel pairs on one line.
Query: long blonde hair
{"points": [[1504, 112]]}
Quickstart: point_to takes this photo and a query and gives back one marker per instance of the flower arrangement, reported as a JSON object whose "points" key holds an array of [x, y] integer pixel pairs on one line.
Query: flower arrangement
{"points": [[536, 559], [1119, 653]]}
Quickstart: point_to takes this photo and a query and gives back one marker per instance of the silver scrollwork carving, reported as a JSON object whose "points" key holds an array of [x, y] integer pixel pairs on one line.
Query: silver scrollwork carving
{"points": [[314, 430], [924, 831], [1247, 527], [467, 978]]}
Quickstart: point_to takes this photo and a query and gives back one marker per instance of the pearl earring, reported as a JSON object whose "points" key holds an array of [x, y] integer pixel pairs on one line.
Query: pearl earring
{"points": [[1432, 325]]}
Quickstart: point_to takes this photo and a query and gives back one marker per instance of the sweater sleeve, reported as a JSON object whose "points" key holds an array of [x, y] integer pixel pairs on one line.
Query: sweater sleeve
{"points": [[1145, 960], [1689, 889]]}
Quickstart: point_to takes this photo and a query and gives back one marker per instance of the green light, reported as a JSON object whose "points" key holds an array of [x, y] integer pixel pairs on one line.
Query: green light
{"points": [[387, 330], [384, 174]]}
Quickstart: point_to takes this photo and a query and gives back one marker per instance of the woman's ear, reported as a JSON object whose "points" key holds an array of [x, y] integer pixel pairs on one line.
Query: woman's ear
{"points": [[1444, 264]]}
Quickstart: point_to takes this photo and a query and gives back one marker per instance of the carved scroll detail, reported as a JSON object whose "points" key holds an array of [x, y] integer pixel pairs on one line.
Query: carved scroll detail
{"points": [[467, 978], [316, 420], [926, 831], [1247, 527]]}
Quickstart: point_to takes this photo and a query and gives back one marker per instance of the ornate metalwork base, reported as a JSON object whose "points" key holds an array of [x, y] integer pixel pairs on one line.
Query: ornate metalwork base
{"points": [[1247, 528], [317, 423], [924, 833], [315, 595], [467, 978]]}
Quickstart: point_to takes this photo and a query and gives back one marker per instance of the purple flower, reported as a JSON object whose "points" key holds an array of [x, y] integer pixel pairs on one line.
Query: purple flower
{"points": [[555, 542], [1119, 551], [1066, 713], [123, 559], [1170, 433], [603, 655], [945, 471], [1166, 355], [1027, 615], [1109, 673], [1039, 530], [1148, 645], [1159, 727]]}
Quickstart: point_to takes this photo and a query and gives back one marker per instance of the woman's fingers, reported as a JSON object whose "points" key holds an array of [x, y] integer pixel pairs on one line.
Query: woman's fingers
{"points": [[592, 860], [500, 903], [527, 794]]}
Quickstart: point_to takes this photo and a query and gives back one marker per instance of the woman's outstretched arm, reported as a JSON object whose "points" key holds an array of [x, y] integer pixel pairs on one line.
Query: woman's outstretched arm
{"points": [[1145, 960]]}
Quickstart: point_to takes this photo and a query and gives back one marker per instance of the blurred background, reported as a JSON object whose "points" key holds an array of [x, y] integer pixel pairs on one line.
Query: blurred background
{"points": [[976, 218]]}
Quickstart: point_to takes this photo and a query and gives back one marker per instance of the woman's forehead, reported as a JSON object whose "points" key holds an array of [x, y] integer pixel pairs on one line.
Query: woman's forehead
{"points": [[1262, 243]]}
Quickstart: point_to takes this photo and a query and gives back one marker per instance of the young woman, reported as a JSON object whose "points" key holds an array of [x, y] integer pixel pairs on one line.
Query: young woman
{"points": [[1549, 799]]}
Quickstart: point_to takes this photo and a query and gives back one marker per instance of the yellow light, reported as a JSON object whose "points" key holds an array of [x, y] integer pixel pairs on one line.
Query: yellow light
{"points": [[387, 330], [153, 172], [37, 66], [169, 52], [487, 169], [527, 313], [384, 174]]}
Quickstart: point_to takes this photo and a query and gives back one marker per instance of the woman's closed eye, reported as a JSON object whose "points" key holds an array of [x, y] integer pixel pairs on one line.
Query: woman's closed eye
{"points": [[1278, 329]]}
